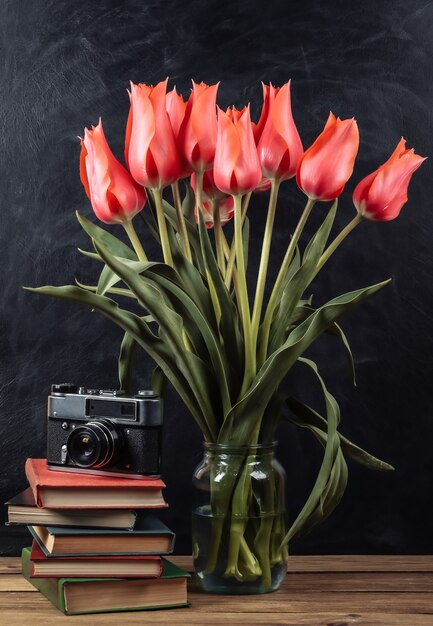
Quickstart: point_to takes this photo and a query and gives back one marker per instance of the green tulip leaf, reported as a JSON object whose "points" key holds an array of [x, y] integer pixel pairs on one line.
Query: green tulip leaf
{"points": [[188, 202], [304, 416], [164, 355], [106, 239], [303, 311], [159, 382], [126, 363], [332, 477], [127, 293], [229, 324], [296, 286], [247, 413], [152, 298]]}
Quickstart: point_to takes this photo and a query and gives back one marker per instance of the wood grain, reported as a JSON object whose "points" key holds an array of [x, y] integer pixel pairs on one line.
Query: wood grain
{"points": [[318, 591]]}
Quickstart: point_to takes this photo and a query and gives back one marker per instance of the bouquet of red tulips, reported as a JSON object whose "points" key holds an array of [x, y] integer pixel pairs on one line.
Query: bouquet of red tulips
{"points": [[224, 350]]}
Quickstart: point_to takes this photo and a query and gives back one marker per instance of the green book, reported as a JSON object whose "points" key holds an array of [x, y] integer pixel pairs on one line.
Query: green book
{"points": [[75, 596]]}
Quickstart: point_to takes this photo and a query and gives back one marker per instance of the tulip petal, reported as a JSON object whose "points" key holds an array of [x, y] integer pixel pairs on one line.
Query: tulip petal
{"points": [[142, 132], [176, 110], [83, 171], [163, 146], [227, 152], [285, 126], [204, 124], [247, 167]]}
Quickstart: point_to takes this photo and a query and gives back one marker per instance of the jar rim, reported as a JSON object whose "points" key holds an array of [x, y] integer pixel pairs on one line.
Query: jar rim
{"points": [[232, 448]]}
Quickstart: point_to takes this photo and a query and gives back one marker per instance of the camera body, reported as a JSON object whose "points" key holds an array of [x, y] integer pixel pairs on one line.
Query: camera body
{"points": [[104, 431]]}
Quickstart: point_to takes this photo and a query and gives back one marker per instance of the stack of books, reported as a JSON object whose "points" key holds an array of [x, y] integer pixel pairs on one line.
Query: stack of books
{"points": [[96, 547]]}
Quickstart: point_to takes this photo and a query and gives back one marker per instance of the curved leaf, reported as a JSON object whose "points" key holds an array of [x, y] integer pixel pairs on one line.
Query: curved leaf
{"points": [[304, 416], [229, 324], [296, 286], [126, 362], [117, 247], [248, 412], [106, 239], [127, 293], [140, 331], [152, 299], [303, 311], [327, 488]]}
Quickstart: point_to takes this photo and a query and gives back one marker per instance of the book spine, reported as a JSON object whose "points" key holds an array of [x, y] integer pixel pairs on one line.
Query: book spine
{"points": [[33, 482], [38, 541]]}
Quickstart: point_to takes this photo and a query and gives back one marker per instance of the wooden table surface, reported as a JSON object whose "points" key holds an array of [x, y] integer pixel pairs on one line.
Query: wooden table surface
{"points": [[318, 591]]}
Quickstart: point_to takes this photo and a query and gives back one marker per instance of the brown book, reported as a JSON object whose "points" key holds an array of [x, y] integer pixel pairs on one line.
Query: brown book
{"points": [[93, 566], [68, 490], [22, 509], [150, 536]]}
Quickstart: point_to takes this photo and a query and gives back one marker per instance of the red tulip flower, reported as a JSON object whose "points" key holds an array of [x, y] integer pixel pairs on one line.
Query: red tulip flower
{"points": [[237, 167], [114, 194], [328, 163], [280, 146], [150, 142], [381, 195], [197, 136]]}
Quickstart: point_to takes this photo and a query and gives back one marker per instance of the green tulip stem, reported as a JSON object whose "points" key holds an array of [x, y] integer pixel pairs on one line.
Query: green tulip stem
{"points": [[264, 260], [242, 295], [245, 202], [232, 255], [273, 300], [133, 238], [181, 221], [212, 290], [334, 245], [162, 227], [219, 237]]}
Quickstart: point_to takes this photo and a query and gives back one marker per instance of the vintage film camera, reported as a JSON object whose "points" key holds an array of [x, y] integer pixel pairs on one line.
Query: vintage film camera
{"points": [[104, 431]]}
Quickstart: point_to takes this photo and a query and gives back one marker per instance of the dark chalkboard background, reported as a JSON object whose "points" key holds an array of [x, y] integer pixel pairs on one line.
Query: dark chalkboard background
{"points": [[66, 63]]}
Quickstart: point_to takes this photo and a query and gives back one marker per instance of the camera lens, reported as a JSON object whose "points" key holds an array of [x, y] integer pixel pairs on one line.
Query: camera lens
{"points": [[95, 444]]}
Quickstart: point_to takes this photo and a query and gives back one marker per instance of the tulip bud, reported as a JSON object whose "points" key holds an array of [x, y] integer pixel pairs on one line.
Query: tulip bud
{"points": [[327, 165], [280, 146], [197, 135], [114, 194], [150, 142], [236, 168], [381, 195]]}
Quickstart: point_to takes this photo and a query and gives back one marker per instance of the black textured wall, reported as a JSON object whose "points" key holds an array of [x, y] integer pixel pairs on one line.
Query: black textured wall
{"points": [[66, 63]]}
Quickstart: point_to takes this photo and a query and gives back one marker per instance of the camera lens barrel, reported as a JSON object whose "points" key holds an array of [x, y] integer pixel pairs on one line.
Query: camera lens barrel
{"points": [[95, 444]]}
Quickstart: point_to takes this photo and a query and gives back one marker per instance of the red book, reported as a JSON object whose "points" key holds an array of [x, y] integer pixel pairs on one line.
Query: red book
{"points": [[67, 490], [93, 566]]}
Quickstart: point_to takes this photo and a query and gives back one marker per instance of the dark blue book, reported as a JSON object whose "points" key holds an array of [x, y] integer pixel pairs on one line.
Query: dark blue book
{"points": [[150, 536]]}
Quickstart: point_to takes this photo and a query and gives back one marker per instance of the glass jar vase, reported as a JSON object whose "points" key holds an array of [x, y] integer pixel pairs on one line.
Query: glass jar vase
{"points": [[239, 519]]}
